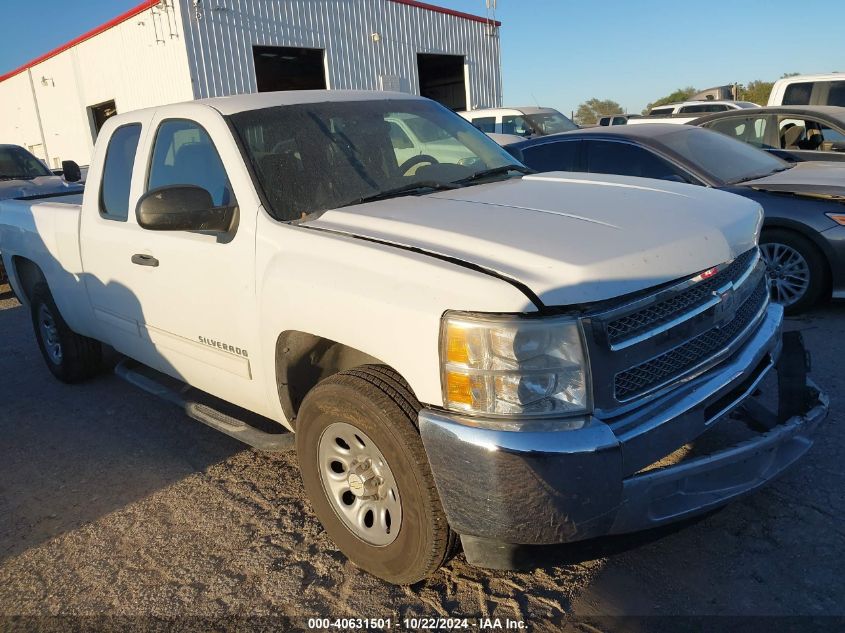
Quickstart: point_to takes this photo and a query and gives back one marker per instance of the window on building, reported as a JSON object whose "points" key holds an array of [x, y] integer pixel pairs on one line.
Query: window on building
{"points": [[289, 68], [443, 79], [99, 114], [560, 156], [184, 154], [117, 172], [486, 124], [608, 157]]}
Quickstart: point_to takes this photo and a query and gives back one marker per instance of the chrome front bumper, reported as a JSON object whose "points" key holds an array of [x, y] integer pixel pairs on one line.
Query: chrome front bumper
{"points": [[545, 487]]}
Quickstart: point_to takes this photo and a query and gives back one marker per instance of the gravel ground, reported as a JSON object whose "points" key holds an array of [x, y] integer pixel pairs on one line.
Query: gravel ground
{"points": [[113, 503]]}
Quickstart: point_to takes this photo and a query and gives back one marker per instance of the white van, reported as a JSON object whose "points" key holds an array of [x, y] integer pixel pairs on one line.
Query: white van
{"points": [[828, 89]]}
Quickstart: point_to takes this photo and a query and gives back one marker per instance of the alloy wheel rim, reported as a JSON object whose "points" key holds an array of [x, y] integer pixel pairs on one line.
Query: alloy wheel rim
{"points": [[50, 335], [359, 484], [788, 272]]}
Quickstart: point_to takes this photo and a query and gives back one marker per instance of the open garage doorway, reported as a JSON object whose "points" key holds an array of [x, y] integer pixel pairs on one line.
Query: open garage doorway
{"points": [[289, 68], [442, 78]]}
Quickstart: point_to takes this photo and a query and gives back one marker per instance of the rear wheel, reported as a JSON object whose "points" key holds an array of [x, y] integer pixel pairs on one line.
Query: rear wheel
{"points": [[366, 473], [795, 267], [70, 357]]}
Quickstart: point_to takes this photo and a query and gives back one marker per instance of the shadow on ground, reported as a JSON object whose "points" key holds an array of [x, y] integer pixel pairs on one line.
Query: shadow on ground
{"points": [[65, 463]]}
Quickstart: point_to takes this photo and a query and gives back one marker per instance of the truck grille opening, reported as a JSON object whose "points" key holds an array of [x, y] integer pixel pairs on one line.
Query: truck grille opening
{"points": [[665, 311], [676, 362]]}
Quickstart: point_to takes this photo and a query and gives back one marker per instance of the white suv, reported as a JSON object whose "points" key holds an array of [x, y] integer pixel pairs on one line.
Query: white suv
{"points": [[523, 122]]}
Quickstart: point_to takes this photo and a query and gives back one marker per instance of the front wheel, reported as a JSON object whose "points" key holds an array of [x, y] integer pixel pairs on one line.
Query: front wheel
{"points": [[366, 473], [795, 267], [70, 357]]}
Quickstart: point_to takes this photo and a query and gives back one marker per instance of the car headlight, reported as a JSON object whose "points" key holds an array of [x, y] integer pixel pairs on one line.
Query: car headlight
{"points": [[513, 366]]}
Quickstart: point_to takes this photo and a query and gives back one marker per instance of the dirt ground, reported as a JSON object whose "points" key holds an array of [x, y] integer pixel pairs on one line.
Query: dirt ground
{"points": [[114, 503]]}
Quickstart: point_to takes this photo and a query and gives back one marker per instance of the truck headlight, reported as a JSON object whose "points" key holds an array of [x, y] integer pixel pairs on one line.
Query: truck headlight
{"points": [[513, 366]]}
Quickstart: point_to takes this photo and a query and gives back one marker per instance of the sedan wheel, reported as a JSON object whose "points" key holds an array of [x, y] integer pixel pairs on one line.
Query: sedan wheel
{"points": [[788, 271], [796, 268]]}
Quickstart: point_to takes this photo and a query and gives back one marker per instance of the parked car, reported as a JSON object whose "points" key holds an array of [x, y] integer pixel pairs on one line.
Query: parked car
{"points": [[616, 119], [460, 350], [22, 175], [803, 240], [794, 133], [686, 111], [524, 121], [825, 89]]}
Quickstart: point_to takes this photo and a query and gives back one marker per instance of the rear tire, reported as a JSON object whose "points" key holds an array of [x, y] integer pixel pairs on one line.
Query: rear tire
{"points": [[346, 425], [797, 269], [70, 357]]}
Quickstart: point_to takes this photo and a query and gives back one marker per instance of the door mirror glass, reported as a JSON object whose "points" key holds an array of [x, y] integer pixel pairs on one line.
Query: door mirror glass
{"points": [[182, 208], [71, 171]]}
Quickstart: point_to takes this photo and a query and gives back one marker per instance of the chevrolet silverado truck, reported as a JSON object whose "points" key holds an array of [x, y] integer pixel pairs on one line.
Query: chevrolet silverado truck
{"points": [[454, 347]]}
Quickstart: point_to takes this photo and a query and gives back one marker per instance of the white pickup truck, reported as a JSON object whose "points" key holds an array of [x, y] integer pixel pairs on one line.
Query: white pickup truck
{"points": [[460, 348]]}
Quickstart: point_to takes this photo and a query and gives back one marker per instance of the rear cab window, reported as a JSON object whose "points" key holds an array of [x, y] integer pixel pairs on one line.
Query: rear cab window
{"points": [[117, 172]]}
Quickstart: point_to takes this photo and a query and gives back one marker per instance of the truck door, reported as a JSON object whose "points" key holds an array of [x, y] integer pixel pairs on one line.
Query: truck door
{"points": [[189, 295]]}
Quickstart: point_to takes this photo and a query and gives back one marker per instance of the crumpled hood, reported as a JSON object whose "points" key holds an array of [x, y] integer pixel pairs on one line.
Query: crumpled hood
{"points": [[571, 238], [40, 186], [810, 177]]}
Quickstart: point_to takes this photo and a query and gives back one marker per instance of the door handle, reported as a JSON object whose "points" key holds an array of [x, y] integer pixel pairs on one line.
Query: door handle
{"points": [[144, 260]]}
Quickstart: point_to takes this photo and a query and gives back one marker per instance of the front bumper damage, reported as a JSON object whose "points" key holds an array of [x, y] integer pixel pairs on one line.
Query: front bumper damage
{"points": [[502, 489]]}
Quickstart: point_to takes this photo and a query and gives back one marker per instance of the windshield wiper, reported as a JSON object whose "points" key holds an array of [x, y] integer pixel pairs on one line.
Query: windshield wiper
{"points": [[420, 185], [756, 176], [496, 171]]}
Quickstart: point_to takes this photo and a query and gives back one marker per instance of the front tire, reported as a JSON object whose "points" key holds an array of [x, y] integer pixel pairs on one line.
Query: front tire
{"points": [[70, 357], [797, 270], [366, 473]]}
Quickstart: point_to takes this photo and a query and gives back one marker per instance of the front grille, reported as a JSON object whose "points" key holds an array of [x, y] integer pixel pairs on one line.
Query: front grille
{"points": [[684, 358], [665, 311]]}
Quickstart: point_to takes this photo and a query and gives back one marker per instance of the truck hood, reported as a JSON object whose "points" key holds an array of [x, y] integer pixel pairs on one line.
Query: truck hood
{"points": [[41, 186], [810, 177], [570, 238]]}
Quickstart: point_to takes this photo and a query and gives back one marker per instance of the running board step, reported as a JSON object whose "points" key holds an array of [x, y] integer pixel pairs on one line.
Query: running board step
{"points": [[202, 407]]}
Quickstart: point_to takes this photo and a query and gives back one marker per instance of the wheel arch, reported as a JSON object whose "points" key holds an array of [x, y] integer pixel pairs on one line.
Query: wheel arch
{"points": [[25, 275], [302, 360]]}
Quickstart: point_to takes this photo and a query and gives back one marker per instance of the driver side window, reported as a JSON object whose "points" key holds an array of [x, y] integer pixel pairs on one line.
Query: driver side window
{"points": [[184, 154]]}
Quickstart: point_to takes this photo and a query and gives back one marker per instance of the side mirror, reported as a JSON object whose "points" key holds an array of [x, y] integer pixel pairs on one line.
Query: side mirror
{"points": [[71, 171], [182, 208], [837, 146]]}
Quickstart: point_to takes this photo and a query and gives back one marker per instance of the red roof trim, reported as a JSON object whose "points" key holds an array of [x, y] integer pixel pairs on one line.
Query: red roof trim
{"points": [[436, 9], [147, 4]]}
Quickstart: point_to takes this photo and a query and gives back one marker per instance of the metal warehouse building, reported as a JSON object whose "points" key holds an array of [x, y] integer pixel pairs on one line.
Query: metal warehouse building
{"points": [[166, 51]]}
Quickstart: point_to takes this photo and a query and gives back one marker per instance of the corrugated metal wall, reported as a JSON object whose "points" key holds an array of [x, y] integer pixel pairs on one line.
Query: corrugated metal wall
{"points": [[220, 35]]}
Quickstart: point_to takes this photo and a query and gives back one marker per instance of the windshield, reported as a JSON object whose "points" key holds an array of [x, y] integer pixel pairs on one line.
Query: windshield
{"points": [[18, 164], [724, 159], [313, 157], [550, 122]]}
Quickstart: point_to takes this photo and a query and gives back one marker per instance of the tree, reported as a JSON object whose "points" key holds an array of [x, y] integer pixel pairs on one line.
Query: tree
{"points": [[756, 91], [681, 94], [588, 113]]}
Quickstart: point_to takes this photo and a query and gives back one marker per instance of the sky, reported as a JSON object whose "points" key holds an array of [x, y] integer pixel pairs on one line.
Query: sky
{"points": [[559, 53]]}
